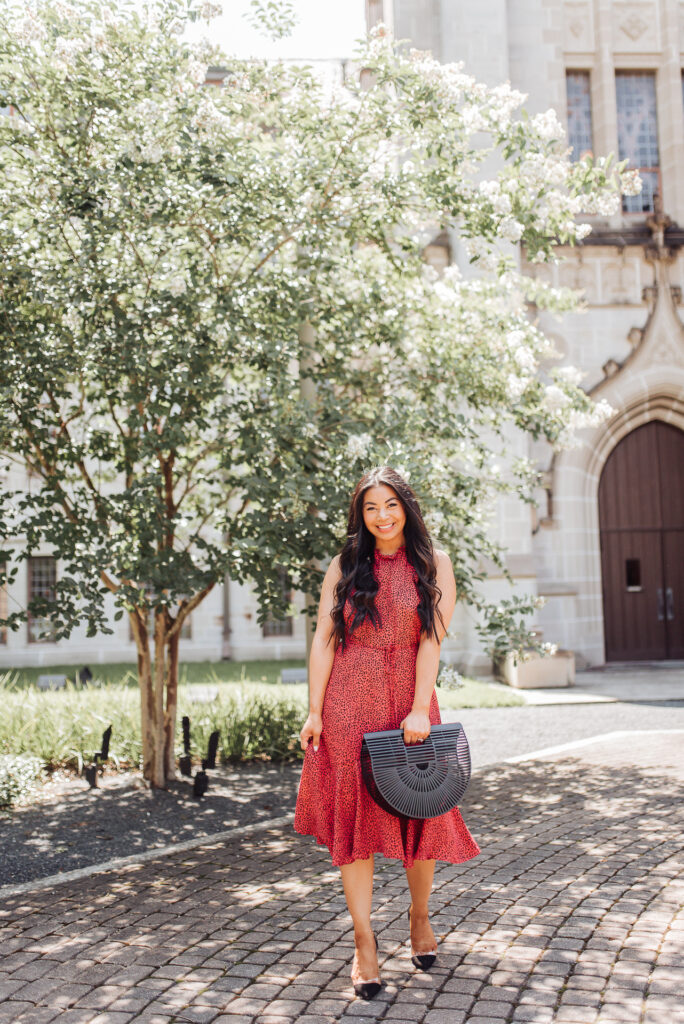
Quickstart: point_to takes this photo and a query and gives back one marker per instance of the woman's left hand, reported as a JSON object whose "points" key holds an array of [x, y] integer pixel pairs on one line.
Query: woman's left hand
{"points": [[416, 727]]}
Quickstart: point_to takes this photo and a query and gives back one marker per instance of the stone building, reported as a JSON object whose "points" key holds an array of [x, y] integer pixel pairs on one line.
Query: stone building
{"points": [[605, 544]]}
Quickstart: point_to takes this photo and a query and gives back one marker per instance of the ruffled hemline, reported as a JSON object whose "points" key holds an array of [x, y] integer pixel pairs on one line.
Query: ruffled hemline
{"points": [[425, 851]]}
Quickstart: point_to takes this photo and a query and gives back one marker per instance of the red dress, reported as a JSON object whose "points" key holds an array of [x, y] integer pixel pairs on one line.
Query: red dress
{"points": [[371, 687]]}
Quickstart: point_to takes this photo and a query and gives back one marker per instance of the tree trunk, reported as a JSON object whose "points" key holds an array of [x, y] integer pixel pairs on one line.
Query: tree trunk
{"points": [[151, 679], [149, 717], [158, 778], [171, 704]]}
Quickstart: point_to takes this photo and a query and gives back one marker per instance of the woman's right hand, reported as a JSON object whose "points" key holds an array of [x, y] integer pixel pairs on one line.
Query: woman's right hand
{"points": [[311, 731]]}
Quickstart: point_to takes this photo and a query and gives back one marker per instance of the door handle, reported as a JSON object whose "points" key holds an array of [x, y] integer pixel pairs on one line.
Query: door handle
{"points": [[661, 605], [669, 604]]}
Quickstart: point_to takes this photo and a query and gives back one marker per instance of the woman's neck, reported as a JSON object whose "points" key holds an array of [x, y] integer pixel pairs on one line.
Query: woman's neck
{"points": [[389, 547]]}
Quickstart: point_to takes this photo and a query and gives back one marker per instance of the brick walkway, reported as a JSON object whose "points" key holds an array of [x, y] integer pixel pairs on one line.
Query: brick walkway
{"points": [[572, 914]]}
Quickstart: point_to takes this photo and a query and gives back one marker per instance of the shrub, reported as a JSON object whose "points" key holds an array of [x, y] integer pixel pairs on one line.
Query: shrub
{"points": [[18, 778]]}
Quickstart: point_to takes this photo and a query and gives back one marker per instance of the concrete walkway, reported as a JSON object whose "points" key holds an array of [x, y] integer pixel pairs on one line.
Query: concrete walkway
{"points": [[657, 682], [572, 914]]}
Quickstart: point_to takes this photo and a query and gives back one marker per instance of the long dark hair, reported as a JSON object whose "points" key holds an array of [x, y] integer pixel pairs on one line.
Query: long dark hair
{"points": [[358, 583]]}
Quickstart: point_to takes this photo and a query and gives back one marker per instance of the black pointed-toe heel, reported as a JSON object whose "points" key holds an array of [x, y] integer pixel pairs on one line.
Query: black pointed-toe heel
{"points": [[368, 989], [423, 961]]}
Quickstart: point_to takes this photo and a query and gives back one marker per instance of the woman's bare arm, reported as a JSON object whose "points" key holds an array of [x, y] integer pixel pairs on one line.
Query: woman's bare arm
{"points": [[416, 725], [322, 656]]}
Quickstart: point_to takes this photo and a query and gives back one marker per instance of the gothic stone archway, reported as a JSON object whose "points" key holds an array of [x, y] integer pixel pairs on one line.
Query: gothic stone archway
{"points": [[647, 387], [641, 522]]}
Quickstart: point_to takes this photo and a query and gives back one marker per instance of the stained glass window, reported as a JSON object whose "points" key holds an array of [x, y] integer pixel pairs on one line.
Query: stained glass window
{"points": [[577, 85], [638, 134]]}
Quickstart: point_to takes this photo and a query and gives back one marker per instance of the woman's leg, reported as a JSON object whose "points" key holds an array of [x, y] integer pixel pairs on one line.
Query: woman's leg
{"points": [[420, 877], [357, 879]]}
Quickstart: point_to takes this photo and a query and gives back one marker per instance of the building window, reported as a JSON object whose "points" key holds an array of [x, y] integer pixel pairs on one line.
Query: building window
{"points": [[638, 134], [280, 627], [42, 580], [580, 136], [3, 604]]}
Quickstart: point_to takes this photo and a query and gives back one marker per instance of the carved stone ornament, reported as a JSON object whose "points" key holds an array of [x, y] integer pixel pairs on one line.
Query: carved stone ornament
{"points": [[579, 30], [661, 339], [634, 26]]}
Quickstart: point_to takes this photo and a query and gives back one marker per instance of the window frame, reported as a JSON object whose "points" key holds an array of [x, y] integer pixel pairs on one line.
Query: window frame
{"points": [[273, 628], [587, 74], [651, 74], [31, 620]]}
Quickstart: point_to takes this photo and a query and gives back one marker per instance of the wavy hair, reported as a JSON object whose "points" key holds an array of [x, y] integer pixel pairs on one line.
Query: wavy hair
{"points": [[358, 584]]}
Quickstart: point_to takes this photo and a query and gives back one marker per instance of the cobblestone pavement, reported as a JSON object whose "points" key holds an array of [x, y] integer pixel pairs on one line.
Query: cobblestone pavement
{"points": [[572, 914]]}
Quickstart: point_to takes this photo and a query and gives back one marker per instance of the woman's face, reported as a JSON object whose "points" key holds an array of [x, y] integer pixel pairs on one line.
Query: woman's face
{"points": [[384, 514]]}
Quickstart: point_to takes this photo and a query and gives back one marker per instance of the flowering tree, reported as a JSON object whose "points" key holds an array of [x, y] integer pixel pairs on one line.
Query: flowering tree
{"points": [[215, 314]]}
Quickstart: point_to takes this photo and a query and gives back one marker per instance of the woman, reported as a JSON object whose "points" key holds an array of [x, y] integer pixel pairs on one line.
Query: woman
{"points": [[385, 606]]}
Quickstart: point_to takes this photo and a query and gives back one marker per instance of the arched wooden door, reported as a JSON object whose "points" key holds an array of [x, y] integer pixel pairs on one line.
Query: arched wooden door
{"points": [[641, 518]]}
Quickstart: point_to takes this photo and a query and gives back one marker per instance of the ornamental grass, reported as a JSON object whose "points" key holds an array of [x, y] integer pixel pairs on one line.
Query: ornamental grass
{"points": [[63, 728]]}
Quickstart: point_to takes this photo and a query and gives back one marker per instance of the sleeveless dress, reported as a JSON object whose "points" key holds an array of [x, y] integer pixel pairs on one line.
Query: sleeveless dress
{"points": [[371, 687]]}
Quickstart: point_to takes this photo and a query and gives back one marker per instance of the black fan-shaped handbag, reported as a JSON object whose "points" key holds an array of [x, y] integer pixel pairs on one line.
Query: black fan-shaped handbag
{"points": [[420, 780]]}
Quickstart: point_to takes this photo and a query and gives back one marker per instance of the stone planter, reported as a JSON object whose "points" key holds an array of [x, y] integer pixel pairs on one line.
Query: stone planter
{"points": [[536, 671]]}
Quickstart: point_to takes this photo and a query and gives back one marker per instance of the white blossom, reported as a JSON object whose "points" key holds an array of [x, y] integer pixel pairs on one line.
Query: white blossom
{"points": [[177, 285], [67, 50], [211, 10], [603, 204], [449, 678], [358, 445], [555, 398], [152, 153], [630, 183], [514, 339], [72, 321], [197, 71], [515, 386], [548, 126], [30, 30], [511, 229], [570, 374], [525, 359], [434, 521], [208, 117]]}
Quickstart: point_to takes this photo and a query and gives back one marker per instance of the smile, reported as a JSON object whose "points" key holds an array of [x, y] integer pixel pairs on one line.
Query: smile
{"points": [[386, 529]]}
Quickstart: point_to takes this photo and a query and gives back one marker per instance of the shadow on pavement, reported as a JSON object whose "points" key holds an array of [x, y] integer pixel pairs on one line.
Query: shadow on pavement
{"points": [[572, 913], [85, 827]]}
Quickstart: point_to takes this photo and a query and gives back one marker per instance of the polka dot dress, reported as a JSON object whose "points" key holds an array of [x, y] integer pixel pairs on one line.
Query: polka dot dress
{"points": [[371, 687]]}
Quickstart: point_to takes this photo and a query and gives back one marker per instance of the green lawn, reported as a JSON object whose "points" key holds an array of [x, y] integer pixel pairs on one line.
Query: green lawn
{"points": [[125, 673], [250, 676]]}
